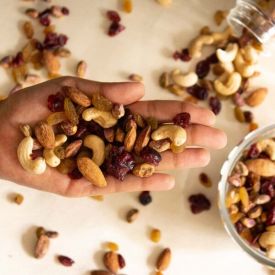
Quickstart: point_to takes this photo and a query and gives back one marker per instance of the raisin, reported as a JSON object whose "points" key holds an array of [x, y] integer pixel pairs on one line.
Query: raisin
{"points": [[115, 28], [64, 260], [113, 16], [202, 68], [198, 92], [121, 261], [215, 104], [185, 55], [150, 155], [145, 198], [248, 116], [199, 203]]}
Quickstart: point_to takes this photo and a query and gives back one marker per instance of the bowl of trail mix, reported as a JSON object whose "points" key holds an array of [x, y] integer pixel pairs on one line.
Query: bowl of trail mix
{"points": [[247, 194]]}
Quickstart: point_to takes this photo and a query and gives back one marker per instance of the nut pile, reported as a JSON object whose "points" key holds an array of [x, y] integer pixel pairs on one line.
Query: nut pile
{"points": [[251, 196], [93, 137], [226, 73]]}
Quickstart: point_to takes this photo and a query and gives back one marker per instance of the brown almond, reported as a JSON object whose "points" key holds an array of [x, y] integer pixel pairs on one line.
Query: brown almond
{"points": [[91, 171], [109, 134], [42, 246], [70, 111], [77, 96], [73, 148], [256, 97], [143, 139], [120, 135], [101, 272], [130, 137], [111, 262], [52, 62], [45, 135], [164, 259]]}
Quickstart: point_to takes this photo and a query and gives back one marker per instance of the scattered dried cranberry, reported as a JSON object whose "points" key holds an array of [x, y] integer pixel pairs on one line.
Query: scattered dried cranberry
{"points": [[253, 152], [113, 16], [267, 187], [212, 59], [65, 11], [270, 220], [66, 261], [150, 155], [121, 261], [182, 119], [176, 55], [18, 60], [203, 68], [45, 21], [239, 227], [56, 102], [119, 163], [249, 117], [185, 55], [198, 92], [215, 104], [54, 41], [199, 203], [75, 174], [145, 198], [115, 28]]}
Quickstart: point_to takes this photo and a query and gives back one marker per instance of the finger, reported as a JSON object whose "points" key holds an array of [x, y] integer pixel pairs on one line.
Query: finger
{"points": [[165, 110], [195, 157], [200, 135], [118, 92], [157, 182]]}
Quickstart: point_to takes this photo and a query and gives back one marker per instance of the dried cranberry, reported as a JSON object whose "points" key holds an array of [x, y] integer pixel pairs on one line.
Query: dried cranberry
{"points": [[253, 152], [199, 203], [212, 59], [119, 163], [113, 16], [45, 13], [238, 99], [45, 21], [65, 11], [18, 60], [215, 104], [56, 102], [182, 119], [96, 129], [121, 261], [150, 155], [198, 92], [185, 55], [36, 154], [145, 198], [203, 68], [249, 117], [176, 55], [270, 220], [62, 40], [75, 174], [39, 46], [81, 130], [64, 260], [115, 28], [54, 41], [267, 188], [239, 227]]}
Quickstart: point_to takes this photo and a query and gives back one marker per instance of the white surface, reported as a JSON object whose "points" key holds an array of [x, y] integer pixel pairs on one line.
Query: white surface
{"points": [[199, 243]]}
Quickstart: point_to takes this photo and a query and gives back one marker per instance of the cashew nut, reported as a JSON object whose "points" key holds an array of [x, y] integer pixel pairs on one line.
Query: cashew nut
{"points": [[175, 133], [267, 239], [228, 67], [104, 119], [229, 86], [250, 54], [51, 159], [229, 54], [197, 44], [244, 68], [96, 144], [221, 36], [261, 167], [185, 80], [24, 150], [267, 146]]}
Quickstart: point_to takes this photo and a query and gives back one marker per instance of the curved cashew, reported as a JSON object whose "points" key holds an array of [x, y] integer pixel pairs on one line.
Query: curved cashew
{"points": [[268, 146], [96, 144], [24, 150], [221, 36], [231, 85], [51, 159], [104, 119], [267, 239], [245, 69], [228, 67], [250, 54], [175, 133], [185, 80], [196, 45], [229, 54]]}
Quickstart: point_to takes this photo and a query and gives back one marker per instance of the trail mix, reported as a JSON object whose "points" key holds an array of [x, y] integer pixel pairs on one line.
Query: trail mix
{"points": [[92, 137], [225, 73], [251, 196]]}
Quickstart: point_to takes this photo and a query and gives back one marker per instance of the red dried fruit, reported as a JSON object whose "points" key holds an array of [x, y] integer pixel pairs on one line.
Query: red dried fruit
{"points": [[212, 59], [267, 187], [81, 130], [249, 117], [6, 61], [199, 203], [45, 21], [239, 227], [198, 92], [36, 154], [176, 55], [253, 152], [54, 41], [145, 198], [75, 174], [121, 261], [238, 100], [185, 55], [149, 155], [271, 215], [215, 104], [65, 11], [64, 260], [182, 119], [115, 28], [56, 102], [18, 60], [202, 68], [113, 16]]}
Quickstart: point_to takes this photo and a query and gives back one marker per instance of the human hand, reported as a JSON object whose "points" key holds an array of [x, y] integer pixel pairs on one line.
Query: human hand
{"points": [[30, 106]]}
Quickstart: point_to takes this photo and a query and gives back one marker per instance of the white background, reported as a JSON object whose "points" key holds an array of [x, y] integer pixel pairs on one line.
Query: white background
{"points": [[199, 243]]}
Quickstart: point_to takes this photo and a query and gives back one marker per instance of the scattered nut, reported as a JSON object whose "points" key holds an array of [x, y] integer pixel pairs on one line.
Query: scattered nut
{"points": [[112, 246], [164, 260], [28, 29], [42, 246], [111, 262], [18, 199], [256, 97], [132, 215], [155, 235], [195, 48], [81, 69]]}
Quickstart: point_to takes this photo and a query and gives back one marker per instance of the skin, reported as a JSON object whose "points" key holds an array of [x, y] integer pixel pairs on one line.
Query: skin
{"points": [[30, 106]]}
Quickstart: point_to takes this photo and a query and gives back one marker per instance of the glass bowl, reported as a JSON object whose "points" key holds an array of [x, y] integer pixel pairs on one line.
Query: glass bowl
{"points": [[233, 157]]}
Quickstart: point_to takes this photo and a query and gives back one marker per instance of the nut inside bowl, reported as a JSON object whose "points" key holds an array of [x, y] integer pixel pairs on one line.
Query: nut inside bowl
{"points": [[228, 167]]}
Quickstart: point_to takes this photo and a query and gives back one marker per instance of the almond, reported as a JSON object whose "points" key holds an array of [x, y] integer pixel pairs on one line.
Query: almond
{"points": [[70, 111], [42, 246], [91, 171], [77, 96], [111, 262], [52, 62], [101, 272], [45, 135], [143, 139], [109, 134], [73, 148], [164, 259], [130, 137], [256, 97]]}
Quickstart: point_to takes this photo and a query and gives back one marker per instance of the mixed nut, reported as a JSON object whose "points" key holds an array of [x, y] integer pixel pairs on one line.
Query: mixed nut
{"points": [[92, 137], [250, 197]]}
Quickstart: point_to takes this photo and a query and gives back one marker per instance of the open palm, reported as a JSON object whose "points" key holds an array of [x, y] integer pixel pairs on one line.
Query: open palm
{"points": [[30, 106]]}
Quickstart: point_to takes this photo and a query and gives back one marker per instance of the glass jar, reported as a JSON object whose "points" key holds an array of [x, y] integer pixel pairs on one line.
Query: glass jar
{"points": [[228, 166], [257, 16]]}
